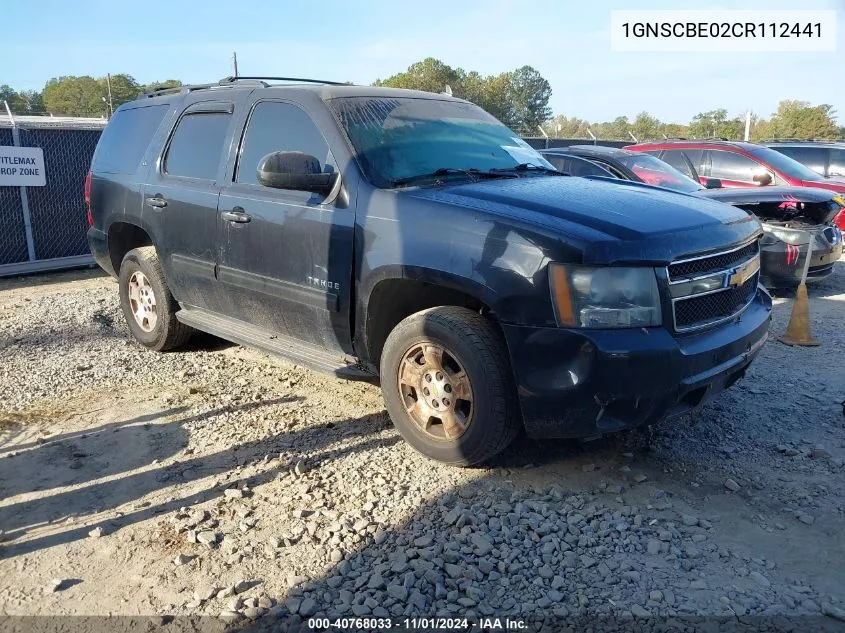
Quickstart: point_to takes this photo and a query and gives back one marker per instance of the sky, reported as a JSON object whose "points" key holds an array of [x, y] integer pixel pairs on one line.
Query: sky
{"points": [[567, 41]]}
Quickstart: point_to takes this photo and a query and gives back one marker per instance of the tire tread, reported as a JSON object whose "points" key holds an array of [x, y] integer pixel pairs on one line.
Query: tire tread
{"points": [[176, 333], [491, 352]]}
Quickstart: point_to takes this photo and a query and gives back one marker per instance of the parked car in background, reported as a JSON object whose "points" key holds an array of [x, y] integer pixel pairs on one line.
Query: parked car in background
{"points": [[739, 164], [827, 159], [624, 164], [792, 217], [413, 239]]}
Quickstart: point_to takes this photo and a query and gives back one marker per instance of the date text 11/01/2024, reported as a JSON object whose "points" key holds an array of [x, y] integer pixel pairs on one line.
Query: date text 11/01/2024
{"points": [[417, 624], [722, 29]]}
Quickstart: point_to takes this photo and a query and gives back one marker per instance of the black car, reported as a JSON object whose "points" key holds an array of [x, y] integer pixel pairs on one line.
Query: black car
{"points": [[827, 159], [791, 216], [411, 238]]}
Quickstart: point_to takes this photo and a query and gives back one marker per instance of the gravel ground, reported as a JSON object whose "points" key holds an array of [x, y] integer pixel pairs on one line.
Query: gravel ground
{"points": [[224, 482]]}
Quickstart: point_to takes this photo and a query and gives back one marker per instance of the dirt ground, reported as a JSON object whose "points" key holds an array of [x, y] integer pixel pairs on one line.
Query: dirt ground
{"points": [[222, 481]]}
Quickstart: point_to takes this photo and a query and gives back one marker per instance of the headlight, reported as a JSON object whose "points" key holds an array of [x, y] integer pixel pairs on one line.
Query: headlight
{"points": [[790, 236], [604, 297]]}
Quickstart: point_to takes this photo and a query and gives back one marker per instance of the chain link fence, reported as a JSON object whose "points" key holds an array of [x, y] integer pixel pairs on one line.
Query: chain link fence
{"points": [[12, 233], [43, 228]]}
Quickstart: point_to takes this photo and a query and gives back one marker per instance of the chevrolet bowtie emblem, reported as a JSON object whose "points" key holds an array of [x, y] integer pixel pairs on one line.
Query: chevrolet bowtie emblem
{"points": [[743, 273]]}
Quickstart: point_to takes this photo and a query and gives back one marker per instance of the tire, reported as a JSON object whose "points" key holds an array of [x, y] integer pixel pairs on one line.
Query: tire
{"points": [[486, 423], [160, 330]]}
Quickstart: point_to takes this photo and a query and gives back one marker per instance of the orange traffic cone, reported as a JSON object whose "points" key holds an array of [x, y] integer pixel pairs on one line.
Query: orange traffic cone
{"points": [[798, 330]]}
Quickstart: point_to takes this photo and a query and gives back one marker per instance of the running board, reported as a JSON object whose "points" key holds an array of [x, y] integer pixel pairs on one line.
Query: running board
{"points": [[294, 350]]}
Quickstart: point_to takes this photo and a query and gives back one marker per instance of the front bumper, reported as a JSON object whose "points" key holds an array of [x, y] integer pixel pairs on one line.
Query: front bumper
{"points": [[782, 264], [582, 383]]}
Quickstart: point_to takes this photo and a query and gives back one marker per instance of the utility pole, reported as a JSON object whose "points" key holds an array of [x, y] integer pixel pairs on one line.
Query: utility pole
{"points": [[235, 65], [108, 83], [747, 125]]}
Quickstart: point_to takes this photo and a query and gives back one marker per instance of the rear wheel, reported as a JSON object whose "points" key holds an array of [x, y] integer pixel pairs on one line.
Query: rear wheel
{"points": [[447, 385], [148, 306]]}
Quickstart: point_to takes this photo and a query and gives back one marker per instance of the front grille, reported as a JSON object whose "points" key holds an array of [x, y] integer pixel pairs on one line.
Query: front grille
{"points": [[698, 311], [712, 264], [701, 290]]}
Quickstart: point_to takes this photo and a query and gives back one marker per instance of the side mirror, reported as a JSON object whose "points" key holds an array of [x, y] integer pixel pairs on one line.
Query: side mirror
{"points": [[763, 179], [295, 171], [712, 183]]}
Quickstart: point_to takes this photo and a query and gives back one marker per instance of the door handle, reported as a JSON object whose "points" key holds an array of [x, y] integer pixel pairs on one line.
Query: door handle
{"points": [[236, 215], [157, 202]]}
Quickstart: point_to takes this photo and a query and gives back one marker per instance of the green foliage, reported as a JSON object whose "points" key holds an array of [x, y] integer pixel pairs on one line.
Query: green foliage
{"points": [[794, 119], [25, 102], [430, 75], [167, 83], [528, 94], [81, 96], [75, 96], [716, 124], [520, 99], [646, 126], [799, 119], [123, 88]]}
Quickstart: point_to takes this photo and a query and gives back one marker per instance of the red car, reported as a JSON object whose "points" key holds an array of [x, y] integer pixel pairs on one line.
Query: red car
{"points": [[738, 164]]}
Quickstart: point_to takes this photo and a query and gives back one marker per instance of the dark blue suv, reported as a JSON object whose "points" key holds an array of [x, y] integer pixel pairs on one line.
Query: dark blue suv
{"points": [[413, 239]]}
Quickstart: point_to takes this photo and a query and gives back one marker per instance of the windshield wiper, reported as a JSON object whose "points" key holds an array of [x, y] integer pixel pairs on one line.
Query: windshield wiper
{"points": [[438, 174], [523, 167]]}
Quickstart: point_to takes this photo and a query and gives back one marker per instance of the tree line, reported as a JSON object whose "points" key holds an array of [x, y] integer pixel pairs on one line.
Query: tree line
{"points": [[519, 98], [793, 119], [83, 96]]}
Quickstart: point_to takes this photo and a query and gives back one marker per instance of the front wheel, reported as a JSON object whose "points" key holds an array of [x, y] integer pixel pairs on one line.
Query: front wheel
{"points": [[448, 387]]}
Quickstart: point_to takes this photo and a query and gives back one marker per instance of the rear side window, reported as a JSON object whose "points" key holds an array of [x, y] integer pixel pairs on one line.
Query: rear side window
{"points": [[583, 167], [837, 163], [559, 162], [812, 157], [196, 145], [679, 162], [279, 127], [125, 139], [675, 157]]}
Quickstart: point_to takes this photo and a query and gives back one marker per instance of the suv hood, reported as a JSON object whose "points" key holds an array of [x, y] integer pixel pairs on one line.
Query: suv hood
{"points": [[611, 221], [736, 195]]}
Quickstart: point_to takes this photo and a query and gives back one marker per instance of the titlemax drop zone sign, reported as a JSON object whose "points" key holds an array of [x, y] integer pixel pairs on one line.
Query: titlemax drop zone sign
{"points": [[22, 167]]}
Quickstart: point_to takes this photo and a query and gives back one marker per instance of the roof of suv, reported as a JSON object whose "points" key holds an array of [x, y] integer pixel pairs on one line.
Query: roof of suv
{"points": [[696, 142], [804, 143], [326, 90], [587, 150]]}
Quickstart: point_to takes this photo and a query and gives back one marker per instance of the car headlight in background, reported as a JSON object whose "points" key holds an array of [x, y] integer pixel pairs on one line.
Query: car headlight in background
{"points": [[790, 236], [604, 297]]}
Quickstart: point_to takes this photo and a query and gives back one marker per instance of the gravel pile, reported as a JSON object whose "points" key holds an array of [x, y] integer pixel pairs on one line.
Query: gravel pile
{"points": [[222, 482]]}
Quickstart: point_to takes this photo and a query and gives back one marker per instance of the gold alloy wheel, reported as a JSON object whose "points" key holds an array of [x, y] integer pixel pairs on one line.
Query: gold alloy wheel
{"points": [[142, 301], [436, 391]]}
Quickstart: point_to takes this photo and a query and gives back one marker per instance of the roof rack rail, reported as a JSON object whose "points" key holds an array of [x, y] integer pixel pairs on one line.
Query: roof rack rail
{"points": [[230, 80], [157, 92], [803, 140], [718, 139]]}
